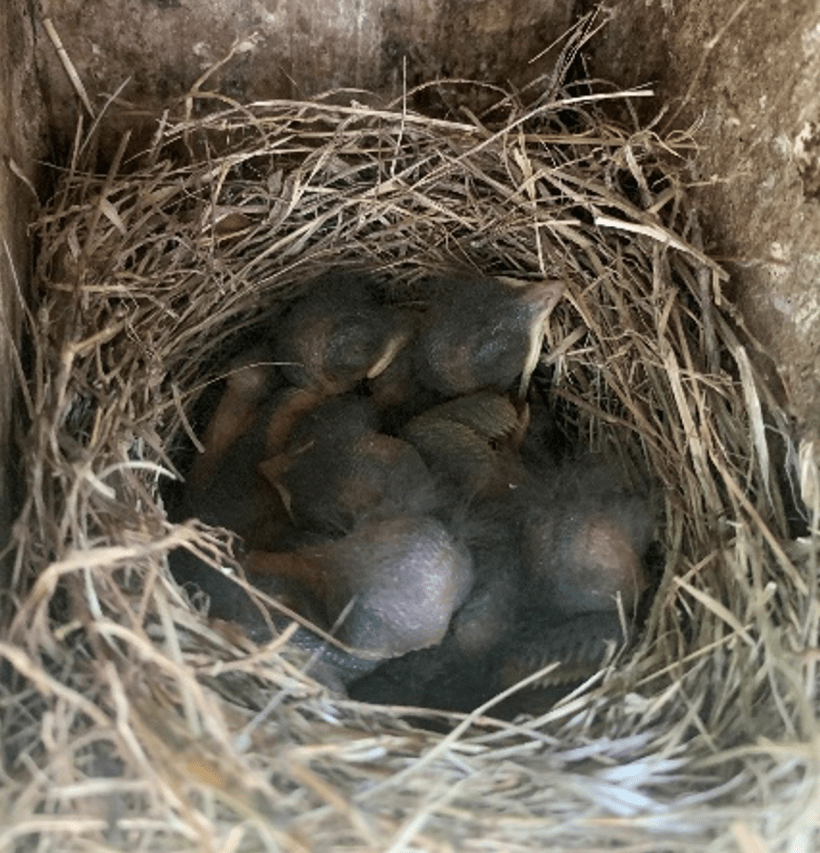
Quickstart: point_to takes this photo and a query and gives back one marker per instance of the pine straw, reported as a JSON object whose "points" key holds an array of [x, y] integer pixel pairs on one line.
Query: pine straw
{"points": [[137, 725]]}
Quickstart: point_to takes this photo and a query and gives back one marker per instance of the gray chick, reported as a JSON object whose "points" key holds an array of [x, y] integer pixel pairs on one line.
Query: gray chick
{"points": [[389, 587], [584, 538], [481, 333], [339, 470], [337, 335]]}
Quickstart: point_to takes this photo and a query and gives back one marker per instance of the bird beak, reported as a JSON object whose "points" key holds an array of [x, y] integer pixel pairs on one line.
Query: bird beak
{"points": [[394, 345], [543, 298]]}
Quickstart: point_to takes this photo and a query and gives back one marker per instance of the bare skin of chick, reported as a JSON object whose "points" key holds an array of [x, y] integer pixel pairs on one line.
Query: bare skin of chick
{"points": [[391, 585]]}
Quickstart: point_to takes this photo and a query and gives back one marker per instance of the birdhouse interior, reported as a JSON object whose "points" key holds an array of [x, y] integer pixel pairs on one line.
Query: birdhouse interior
{"points": [[390, 467]]}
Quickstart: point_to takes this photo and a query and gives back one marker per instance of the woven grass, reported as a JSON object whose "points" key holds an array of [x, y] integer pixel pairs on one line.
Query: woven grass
{"points": [[132, 723]]}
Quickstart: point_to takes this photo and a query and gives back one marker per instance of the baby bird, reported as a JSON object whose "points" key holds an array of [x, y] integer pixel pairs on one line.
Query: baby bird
{"points": [[481, 333], [389, 587], [570, 653], [550, 559], [491, 612], [579, 644], [338, 470], [343, 522], [470, 443], [282, 415], [228, 601], [497, 638], [462, 671], [337, 335], [584, 538]]}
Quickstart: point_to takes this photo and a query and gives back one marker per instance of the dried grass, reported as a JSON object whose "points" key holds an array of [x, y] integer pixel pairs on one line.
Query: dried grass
{"points": [[134, 724]]}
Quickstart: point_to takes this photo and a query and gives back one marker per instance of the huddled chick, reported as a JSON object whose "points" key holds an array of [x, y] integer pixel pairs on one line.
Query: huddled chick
{"points": [[377, 463], [390, 586], [480, 333], [338, 469], [337, 335]]}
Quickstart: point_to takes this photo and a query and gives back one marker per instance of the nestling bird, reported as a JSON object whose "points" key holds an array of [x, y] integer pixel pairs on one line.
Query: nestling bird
{"points": [[458, 553], [491, 612], [568, 653], [389, 587], [230, 490], [584, 537], [337, 335], [338, 470], [481, 333], [550, 559], [462, 671], [579, 644], [447, 678], [237, 496], [283, 413], [470, 444], [228, 601]]}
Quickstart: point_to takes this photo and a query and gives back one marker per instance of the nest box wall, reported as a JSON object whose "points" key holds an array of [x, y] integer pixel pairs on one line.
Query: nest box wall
{"points": [[744, 75], [21, 136], [293, 48]]}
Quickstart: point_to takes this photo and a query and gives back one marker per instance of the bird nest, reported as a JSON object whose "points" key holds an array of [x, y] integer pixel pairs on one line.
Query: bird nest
{"points": [[132, 722]]}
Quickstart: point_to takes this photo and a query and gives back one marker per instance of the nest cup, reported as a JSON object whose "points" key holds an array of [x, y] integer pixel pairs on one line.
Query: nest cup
{"points": [[127, 710]]}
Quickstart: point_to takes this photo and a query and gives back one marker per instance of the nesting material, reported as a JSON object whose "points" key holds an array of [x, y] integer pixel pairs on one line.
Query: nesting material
{"points": [[132, 722]]}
